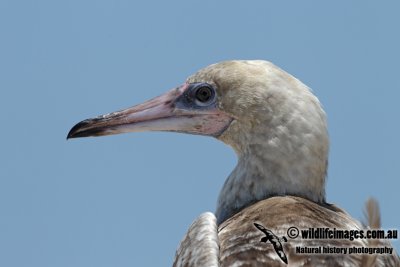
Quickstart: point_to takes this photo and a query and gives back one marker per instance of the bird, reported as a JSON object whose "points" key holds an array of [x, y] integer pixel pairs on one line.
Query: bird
{"points": [[275, 241], [278, 130]]}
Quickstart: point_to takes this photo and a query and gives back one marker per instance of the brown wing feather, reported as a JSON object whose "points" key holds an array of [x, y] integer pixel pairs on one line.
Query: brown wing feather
{"points": [[240, 241]]}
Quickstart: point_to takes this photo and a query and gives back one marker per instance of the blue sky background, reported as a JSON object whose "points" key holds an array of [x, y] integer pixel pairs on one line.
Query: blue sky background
{"points": [[127, 200]]}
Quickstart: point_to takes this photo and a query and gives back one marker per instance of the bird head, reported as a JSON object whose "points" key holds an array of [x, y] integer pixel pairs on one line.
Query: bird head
{"points": [[272, 120]]}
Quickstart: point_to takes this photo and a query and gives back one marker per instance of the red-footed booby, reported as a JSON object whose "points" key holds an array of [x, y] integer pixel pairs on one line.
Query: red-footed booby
{"points": [[278, 130]]}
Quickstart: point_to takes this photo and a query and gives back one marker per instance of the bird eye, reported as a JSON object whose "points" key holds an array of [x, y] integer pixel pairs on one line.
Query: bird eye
{"points": [[204, 95]]}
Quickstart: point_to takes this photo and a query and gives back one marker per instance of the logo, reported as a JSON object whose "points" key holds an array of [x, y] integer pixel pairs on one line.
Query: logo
{"points": [[274, 240]]}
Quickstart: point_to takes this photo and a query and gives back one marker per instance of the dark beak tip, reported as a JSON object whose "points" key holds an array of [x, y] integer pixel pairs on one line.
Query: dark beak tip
{"points": [[86, 129], [76, 131], [70, 135]]}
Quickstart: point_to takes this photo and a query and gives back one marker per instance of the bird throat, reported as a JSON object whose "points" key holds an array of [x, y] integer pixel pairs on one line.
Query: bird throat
{"points": [[266, 169]]}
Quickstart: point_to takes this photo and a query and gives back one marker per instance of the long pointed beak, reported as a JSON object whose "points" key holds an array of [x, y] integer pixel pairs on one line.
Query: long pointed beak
{"points": [[158, 114]]}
